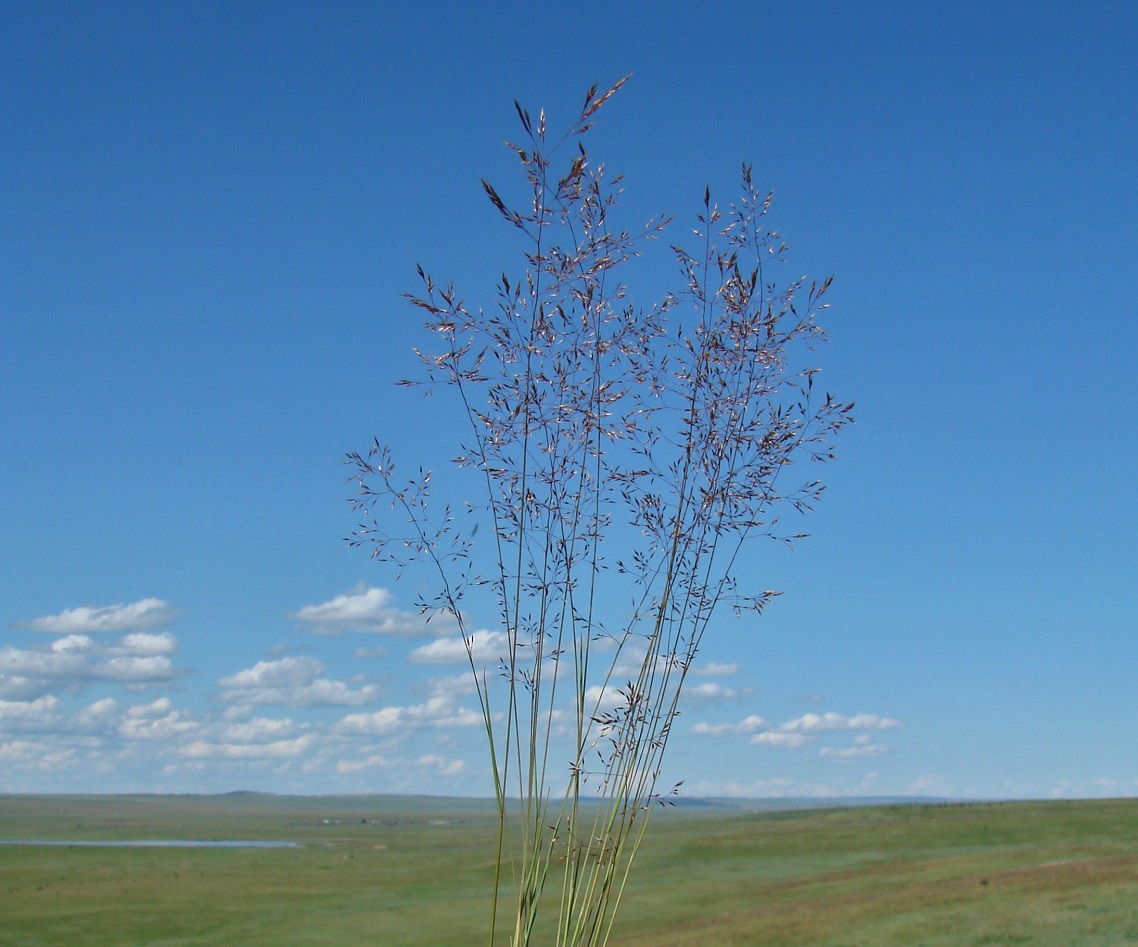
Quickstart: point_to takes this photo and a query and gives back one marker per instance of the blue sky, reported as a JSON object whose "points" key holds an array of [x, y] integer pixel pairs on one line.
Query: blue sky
{"points": [[207, 215]]}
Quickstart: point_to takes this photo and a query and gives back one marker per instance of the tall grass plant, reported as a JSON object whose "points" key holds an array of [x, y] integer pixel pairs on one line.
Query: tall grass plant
{"points": [[624, 455]]}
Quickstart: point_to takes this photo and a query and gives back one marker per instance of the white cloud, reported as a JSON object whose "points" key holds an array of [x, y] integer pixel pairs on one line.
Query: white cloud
{"points": [[37, 756], [141, 644], [72, 643], [278, 749], [43, 664], [259, 728], [41, 710], [20, 751], [364, 609], [283, 672], [445, 767], [832, 722], [930, 784], [354, 766], [322, 693], [869, 781], [792, 734], [749, 725], [792, 741], [604, 698], [711, 690], [713, 669], [137, 659], [632, 660], [16, 687], [159, 728], [153, 709], [144, 615], [131, 670], [484, 646], [292, 682], [377, 652], [852, 752], [100, 713], [383, 721], [440, 711], [451, 685]]}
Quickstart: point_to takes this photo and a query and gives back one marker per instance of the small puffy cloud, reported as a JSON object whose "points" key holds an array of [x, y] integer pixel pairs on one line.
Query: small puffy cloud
{"points": [[354, 766], [750, 724], [444, 766], [711, 690], [98, 714], [451, 685], [144, 615], [72, 643], [137, 659], [278, 749], [44, 664], [44, 757], [482, 646], [153, 709], [292, 682], [792, 734], [440, 711], [850, 753], [258, 729], [792, 741], [714, 669], [283, 672], [832, 722], [21, 751], [40, 710], [377, 652], [132, 670], [632, 660], [17, 687], [322, 693], [141, 644], [930, 784], [364, 609], [384, 721], [869, 781], [156, 728], [605, 698]]}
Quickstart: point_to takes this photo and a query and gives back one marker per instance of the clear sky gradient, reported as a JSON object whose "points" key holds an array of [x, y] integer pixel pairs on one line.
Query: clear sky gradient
{"points": [[208, 213]]}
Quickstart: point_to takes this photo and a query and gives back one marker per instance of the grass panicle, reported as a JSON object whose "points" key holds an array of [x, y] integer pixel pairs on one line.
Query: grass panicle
{"points": [[624, 453]]}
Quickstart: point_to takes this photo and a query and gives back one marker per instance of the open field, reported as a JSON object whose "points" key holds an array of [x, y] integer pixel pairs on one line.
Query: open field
{"points": [[403, 871]]}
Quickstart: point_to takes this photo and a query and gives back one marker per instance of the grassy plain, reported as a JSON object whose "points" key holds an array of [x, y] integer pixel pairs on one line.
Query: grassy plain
{"points": [[404, 871]]}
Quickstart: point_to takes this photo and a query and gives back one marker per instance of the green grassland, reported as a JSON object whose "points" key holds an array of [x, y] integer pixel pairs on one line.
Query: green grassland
{"points": [[411, 871]]}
